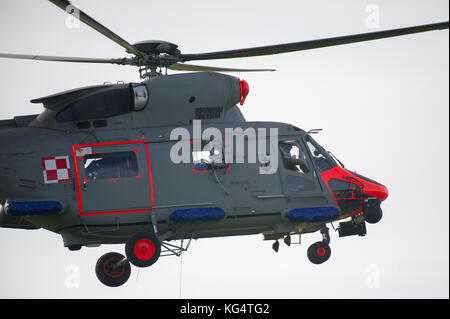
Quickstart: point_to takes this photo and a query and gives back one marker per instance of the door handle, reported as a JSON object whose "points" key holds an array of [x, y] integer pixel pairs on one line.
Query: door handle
{"points": [[264, 164]]}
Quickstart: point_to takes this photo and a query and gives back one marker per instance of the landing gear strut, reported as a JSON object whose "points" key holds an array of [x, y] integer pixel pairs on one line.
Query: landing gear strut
{"points": [[325, 234]]}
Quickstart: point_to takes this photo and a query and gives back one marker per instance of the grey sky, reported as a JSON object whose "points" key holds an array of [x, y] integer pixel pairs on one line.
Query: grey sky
{"points": [[383, 106]]}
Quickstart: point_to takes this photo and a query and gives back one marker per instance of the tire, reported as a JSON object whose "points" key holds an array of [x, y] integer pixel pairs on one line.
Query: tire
{"points": [[109, 276], [319, 252], [143, 249]]}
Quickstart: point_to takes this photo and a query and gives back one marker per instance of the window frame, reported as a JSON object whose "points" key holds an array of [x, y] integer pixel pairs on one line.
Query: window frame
{"points": [[298, 143], [322, 151]]}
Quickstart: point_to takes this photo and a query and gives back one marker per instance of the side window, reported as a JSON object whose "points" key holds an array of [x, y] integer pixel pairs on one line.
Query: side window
{"points": [[293, 156], [341, 189], [111, 165], [357, 191], [347, 194]]}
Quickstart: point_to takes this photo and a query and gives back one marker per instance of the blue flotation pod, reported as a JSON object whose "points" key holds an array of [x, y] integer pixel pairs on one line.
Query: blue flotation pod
{"points": [[199, 214], [313, 214], [33, 208]]}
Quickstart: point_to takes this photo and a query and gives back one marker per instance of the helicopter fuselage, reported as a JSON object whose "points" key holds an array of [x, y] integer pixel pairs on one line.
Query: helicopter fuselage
{"points": [[98, 180], [174, 158]]}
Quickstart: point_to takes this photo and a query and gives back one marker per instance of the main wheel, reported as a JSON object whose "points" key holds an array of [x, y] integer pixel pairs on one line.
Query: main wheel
{"points": [[109, 272], [143, 249], [319, 252]]}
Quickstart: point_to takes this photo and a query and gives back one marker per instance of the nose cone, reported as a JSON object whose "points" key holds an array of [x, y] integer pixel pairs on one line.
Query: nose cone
{"points": [[373, 188], [377, 190]]}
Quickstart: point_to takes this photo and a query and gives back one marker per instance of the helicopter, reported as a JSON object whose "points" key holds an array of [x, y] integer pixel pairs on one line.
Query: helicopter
{"points": [[98, 168]]}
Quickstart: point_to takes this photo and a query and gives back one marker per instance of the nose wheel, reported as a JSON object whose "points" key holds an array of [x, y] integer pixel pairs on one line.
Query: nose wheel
{"points": [[319, 252]]}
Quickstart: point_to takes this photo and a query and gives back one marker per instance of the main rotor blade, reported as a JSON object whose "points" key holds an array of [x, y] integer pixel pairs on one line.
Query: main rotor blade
{"points": [[312, 44], [123, 61], [63, 4], [191, 67]]}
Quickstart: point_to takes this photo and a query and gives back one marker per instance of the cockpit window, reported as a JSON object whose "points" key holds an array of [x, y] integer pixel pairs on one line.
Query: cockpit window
{"points": [[321, 157], [294, 157]]}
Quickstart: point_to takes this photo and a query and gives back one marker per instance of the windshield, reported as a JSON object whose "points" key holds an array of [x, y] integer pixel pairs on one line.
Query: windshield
{"points": [[323, 160]]}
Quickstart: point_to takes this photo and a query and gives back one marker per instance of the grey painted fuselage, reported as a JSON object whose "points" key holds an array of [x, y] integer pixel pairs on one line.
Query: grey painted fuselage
{"points": [[97, 211]]}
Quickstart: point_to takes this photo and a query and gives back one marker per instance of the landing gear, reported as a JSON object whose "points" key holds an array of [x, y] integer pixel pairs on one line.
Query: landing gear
{"points": [[143, 249], [320, 251], [113, 269], [325, 234]]}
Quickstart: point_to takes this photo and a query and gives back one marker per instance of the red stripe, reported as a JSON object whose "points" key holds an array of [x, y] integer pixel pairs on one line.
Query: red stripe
{"points": [[77, 174], [150, 174], [117, 212], [110, 143]]}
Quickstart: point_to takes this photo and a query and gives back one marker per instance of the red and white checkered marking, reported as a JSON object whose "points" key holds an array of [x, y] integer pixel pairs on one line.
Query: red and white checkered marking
{"points": [[56, 169]]}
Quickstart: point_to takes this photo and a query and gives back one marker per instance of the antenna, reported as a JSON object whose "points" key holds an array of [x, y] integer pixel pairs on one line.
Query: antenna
{"points": [[314, 131]]}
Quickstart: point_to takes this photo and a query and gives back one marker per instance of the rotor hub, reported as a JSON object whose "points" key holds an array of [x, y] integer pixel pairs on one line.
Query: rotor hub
{"points": [[157, 47]]}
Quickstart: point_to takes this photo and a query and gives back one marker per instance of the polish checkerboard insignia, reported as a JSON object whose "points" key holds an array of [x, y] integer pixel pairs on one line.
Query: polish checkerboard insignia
{"points": [[56, 169]]}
